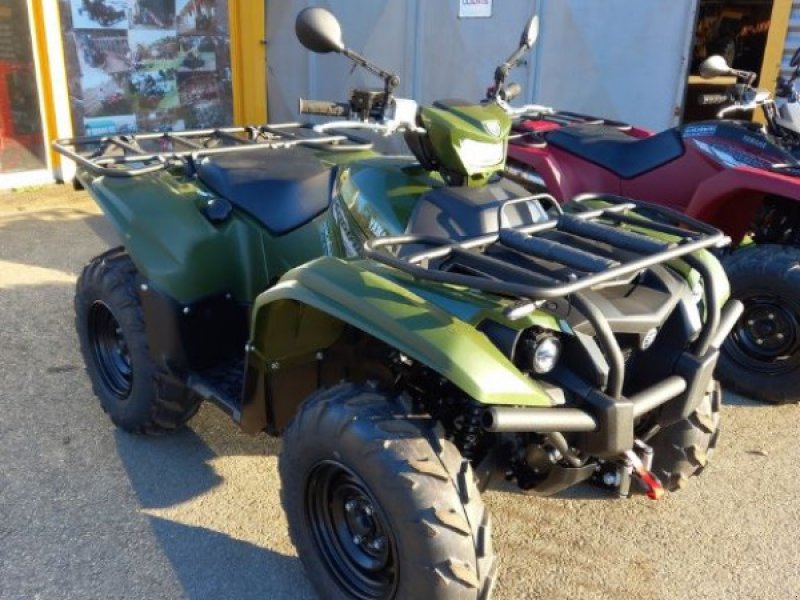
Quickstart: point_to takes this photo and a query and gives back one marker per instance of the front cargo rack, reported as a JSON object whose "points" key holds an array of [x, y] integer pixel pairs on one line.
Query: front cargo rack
{"points": [[129, 155], [476, 263]]}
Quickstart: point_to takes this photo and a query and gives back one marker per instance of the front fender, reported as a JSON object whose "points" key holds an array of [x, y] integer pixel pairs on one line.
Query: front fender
{"points": [[339, 292]]}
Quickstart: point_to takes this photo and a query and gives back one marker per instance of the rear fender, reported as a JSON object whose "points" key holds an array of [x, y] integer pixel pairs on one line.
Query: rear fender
{"points": [[174, 246], [307, 311], [730, 199]]}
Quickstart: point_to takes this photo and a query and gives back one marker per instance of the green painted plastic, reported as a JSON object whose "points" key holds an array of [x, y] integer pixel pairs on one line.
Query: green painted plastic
{"points": [[358, 294], [451, 129]]}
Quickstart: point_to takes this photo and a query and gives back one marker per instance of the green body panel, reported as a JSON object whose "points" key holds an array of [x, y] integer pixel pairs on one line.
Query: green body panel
{"points": [[172, 243], [375, 198], [457, 131], [376, 302]]}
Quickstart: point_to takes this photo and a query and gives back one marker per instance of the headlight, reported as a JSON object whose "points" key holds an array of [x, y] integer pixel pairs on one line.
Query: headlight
{"points": [[545, 353], [481, 154]]}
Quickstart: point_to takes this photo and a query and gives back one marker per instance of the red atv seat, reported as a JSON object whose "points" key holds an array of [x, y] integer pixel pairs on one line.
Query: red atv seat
{"points": [[608, 147]]}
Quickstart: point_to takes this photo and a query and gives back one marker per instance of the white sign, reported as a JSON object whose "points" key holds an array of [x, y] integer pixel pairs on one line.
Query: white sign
{"points": [[474, 8]]}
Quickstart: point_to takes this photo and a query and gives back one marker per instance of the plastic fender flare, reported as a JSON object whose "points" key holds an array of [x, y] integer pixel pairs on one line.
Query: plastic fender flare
{"points": [[712, 201], [350, 293]]}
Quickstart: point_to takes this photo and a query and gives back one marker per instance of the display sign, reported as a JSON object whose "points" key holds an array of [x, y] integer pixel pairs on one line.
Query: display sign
{"points": [[474, 8], [147, 65]]}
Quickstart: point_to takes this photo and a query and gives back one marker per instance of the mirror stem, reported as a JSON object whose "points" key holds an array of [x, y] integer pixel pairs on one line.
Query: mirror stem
{"points": [[503, 70], [390, 79]]}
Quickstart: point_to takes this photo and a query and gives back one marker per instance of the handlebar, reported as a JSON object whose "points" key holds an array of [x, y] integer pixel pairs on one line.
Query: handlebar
{"points": [[511, 91], [709, 99], [324, 108]]}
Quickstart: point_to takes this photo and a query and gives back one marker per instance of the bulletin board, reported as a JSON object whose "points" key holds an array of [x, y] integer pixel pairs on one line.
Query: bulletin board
{"points": [[147, 65]]}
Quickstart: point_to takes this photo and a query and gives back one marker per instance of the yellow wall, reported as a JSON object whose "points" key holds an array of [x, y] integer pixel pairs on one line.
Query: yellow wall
{"points": [[248, 61]]}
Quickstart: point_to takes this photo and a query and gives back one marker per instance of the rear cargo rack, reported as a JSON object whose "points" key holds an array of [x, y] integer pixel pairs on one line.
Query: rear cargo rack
{"points": [[474, 262], [566, 118], [562, 119], [129, 155]]}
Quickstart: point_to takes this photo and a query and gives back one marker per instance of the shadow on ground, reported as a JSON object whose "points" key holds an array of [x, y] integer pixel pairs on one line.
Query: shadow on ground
{"points": [[211, 564], [171, 470]]}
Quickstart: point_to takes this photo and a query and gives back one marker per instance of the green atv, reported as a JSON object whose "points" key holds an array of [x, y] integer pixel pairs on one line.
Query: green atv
{"points": [[412, 326]]}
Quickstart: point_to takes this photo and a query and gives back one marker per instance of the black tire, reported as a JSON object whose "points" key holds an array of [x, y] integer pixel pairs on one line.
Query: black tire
{"points": [[683, 449], [422, 497], [761, 357], [111, 332]]}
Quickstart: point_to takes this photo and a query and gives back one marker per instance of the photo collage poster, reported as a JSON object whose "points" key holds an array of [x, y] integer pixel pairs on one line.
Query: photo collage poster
{"points": [[147, 65]]}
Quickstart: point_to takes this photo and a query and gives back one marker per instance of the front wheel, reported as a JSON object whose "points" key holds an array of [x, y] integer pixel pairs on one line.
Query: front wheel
{"points": [[761, 357], [379, 506], [682, 450]]}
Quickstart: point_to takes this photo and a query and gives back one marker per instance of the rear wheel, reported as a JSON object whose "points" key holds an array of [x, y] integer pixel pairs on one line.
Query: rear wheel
{"points": [[761, 357], [380, 506], [111, 331], [683, 449]]}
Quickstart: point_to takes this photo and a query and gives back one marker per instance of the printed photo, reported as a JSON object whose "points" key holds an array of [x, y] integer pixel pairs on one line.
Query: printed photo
{"points": [[199, 87], [105, 51], [153, 49], [201, 16], [95, 14], [110, 125], [197, 53], [154, 90], [207, 114], [161, 120], [152, 14], [103, 60]]}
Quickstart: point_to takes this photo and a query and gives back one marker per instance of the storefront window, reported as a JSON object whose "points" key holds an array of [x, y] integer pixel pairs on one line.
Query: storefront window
{"points": [[147, 65], [21, 140]]}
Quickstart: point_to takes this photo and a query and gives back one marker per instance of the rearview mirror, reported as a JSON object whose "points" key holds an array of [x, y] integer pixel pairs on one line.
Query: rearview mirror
{"points": [[318, 30], [714, 66], [531, 32]]}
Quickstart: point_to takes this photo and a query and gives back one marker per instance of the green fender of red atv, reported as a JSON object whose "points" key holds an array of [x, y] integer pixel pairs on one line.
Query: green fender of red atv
{"points": [[306, 311]]}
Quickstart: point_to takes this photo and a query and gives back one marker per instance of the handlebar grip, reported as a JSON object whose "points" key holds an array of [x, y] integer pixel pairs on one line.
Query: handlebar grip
{"points": [[324, 108], [512, 91], [709, 99]]}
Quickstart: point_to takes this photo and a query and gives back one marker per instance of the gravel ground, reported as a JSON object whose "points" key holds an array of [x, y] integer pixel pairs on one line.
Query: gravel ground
{"points": [[89, 512]]}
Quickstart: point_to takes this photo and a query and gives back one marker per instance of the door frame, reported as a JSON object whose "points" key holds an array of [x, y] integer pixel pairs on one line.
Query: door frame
{"points": [[247, 23]]}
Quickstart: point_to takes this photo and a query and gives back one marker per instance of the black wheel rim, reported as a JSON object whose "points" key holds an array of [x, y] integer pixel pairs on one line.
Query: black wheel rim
{"points": [[350, 531], [766, 338], [110, 350]]}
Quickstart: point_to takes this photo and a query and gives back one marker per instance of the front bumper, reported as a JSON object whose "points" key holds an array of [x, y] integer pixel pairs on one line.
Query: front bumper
{"points": [[607, 424]]}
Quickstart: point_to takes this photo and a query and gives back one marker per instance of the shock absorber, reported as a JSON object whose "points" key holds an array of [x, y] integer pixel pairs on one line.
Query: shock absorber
{"points": [[468, 430]]}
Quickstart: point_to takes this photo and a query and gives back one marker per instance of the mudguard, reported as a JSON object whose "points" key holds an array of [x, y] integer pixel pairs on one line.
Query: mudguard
{"points": [[338, 292], [174, 246]]}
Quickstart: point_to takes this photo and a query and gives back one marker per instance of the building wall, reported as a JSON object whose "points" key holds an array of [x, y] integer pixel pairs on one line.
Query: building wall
{"points": [[622, 59]]}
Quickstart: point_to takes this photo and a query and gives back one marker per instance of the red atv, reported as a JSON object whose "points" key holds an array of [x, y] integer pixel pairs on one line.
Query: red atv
{"points": [[726, 173]]}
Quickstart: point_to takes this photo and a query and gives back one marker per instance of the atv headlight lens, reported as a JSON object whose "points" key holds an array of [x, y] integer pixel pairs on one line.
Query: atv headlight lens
{"points": [[545, 354], [477, 155]]}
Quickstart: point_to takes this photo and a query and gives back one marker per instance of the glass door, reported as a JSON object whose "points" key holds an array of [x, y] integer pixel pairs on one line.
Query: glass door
{"points": [[22, 145]]}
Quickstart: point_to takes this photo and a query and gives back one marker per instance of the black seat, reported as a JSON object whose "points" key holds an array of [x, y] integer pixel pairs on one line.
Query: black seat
{"points": [[610, 148], [283, 189]]}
